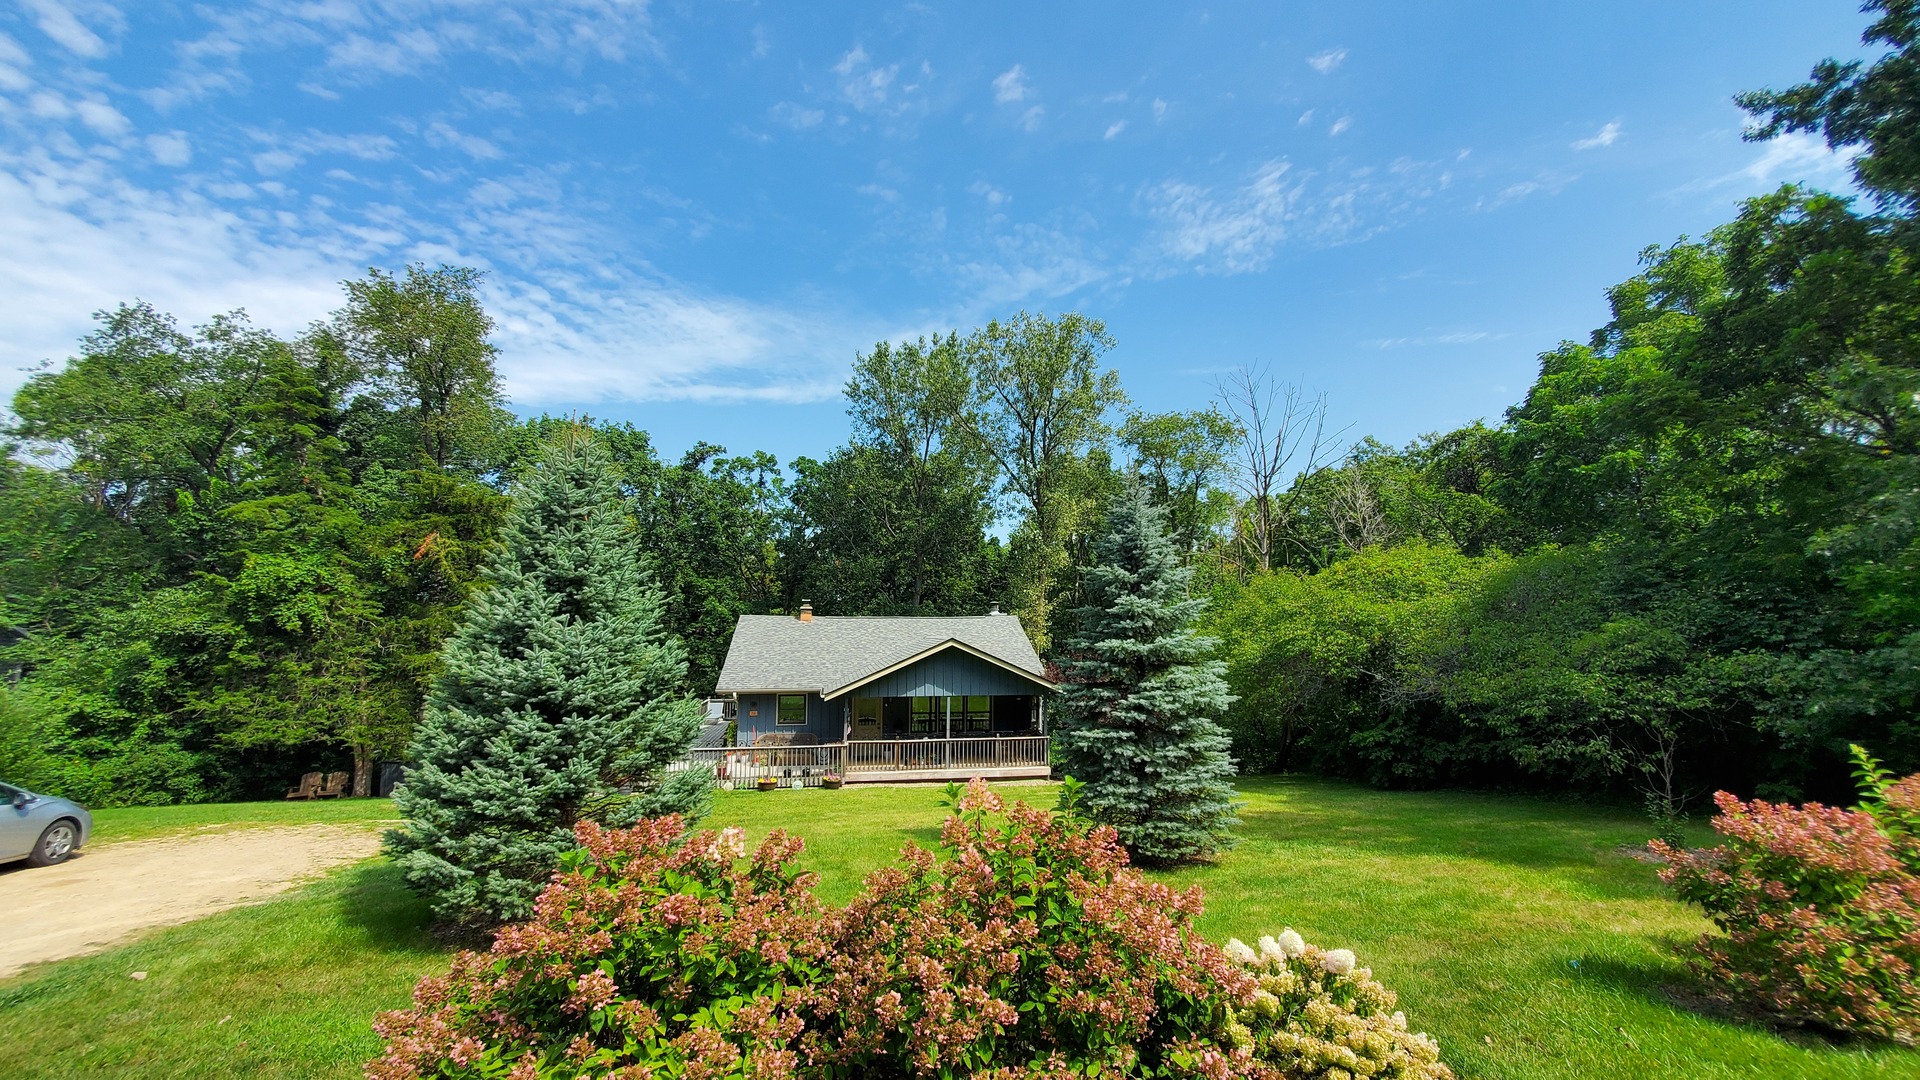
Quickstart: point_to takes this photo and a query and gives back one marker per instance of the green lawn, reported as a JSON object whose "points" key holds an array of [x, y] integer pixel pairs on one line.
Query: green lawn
{"points": [[144, 822], [1496, 918]]}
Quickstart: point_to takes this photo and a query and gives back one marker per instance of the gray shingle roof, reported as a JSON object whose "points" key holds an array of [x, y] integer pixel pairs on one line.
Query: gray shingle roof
{"points": [[779, 652]]}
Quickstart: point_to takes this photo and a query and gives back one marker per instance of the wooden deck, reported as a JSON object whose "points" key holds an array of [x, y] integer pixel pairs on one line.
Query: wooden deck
{"points": [[1001, 757]]}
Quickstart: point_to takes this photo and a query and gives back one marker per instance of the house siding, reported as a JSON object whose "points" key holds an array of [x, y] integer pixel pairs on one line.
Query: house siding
{"points": [[951, 673], [825, 721]]}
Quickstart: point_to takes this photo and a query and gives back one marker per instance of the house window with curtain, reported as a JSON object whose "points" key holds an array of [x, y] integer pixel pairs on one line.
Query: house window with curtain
{"points": [[792, 711]]}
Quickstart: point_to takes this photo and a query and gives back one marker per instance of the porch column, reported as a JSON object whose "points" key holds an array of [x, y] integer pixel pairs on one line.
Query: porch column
{"points": [[949, 708]]}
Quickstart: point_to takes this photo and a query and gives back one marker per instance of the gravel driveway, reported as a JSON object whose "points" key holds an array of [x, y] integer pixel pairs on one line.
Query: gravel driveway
{"points": [[106, 894]]}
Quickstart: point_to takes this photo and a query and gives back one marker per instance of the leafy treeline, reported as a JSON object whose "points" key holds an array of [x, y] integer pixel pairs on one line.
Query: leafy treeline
{"points": [[231, 558], [1688, 557]]}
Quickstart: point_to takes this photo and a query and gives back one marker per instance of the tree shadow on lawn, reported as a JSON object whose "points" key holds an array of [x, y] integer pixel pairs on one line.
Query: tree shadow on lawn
{"points": [[1665, 988]]}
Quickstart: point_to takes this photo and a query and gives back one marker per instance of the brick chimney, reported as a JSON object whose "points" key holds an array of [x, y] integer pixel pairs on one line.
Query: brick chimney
{"points": [[806, 611]]}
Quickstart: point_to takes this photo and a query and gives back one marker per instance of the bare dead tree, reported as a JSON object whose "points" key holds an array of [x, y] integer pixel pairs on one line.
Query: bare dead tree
{"points": [[1358, 519], [1282, 434]]}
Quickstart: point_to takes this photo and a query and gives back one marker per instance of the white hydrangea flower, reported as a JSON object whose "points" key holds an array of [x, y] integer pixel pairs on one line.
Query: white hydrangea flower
{"points": [[1270, 949], [1339, 961], [1291, 942], [1241, 952]]}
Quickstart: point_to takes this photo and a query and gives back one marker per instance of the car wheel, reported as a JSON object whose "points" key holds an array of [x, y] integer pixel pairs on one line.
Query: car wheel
{"points": [[55, 844]]}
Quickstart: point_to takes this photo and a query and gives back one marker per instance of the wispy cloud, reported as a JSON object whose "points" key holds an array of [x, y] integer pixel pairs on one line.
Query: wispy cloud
{"points": [[797, 117], [441, 133], [62, 22], [1114, 129], [1606, 136], [1340, 125], [1325, 62], [1231, 233], [1010, 85]]}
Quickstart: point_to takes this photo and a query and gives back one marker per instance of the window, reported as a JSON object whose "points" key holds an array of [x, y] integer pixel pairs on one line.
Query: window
{"points": [[929, 716], [972, 716], [792, 711]]}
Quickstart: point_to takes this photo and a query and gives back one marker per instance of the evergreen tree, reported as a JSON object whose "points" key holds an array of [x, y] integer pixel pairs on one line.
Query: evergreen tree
{"points": [[561, 698], [1138, 717]]}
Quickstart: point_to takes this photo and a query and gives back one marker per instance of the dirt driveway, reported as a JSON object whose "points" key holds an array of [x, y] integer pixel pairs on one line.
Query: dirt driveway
{"points": [[105, 894]]}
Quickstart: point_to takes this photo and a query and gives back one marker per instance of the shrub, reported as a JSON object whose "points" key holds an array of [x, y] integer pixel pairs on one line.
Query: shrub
{"points": [[1820, 908], [1030, 950]]}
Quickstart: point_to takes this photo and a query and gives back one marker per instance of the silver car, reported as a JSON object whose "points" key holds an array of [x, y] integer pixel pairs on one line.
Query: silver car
{"points": [[41, 829]]}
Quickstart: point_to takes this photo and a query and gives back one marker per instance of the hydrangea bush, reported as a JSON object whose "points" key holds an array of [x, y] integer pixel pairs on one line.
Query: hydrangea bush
{"points": [[1031, 949], [1820, 907]]}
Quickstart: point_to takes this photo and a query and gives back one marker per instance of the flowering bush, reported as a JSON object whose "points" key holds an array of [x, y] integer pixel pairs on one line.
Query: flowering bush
{"points": [[1030, 950], [645, 954], [1820, 906], [1320, 1015]]}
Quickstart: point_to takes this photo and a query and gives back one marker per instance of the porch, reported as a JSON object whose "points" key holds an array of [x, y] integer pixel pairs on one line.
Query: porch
{"points": [[857, 761]]}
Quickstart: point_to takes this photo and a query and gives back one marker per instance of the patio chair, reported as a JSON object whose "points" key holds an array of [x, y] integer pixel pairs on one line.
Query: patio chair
{"points": [[336, 786], [309, 787]]}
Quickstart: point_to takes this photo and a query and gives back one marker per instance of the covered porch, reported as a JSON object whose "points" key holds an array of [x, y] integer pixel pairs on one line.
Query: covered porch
{"points": [[996, 757]]}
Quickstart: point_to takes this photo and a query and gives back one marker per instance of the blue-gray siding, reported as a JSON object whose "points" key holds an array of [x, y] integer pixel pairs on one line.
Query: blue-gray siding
{"points": [[951, 673], [825, 719]]}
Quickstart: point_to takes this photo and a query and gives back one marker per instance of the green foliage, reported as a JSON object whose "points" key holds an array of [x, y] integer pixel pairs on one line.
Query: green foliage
{"points": [[1819, 907], [560, 699], [1029, 950], [1140, 701]]}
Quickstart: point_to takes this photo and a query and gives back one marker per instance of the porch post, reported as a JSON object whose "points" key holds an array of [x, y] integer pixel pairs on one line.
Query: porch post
{"points": [[949, 702]]}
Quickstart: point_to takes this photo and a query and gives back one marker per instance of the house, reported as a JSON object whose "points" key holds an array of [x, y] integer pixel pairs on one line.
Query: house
{"points": [[884, 697]]}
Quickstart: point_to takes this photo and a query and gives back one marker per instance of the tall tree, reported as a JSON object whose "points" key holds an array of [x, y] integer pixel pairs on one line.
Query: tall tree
{"points": [[422, 336], [1141, 700], [1041, 404], [561, 698], [1281, 432], [1182, 457]]}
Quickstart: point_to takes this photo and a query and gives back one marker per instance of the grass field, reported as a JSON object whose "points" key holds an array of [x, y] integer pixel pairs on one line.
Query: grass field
{"points": [[1513, 929]]}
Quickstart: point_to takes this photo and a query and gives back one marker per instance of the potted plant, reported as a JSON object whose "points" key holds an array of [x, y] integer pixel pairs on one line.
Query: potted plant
{"points": [[831, 780], [767, 783]]}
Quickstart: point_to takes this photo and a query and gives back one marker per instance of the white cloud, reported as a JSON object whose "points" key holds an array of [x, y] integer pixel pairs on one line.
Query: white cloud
{"points": [[1114, 129], [1340, 125], [441, 133], [1306, 118], [1325, 62], [13, 64], [797, 117], [1796, 157], [1030, 120], [103, 118], [576, 323], [61, 22], [1606, 136], [1233, 233], [993, 195], [879, 191], [1159, 110], [171, 148], [864, 85], [1011, 85]]}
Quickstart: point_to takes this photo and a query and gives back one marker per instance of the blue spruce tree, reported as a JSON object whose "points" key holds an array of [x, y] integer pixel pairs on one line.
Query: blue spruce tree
{"points": [[561, 698], [1140, 702]]}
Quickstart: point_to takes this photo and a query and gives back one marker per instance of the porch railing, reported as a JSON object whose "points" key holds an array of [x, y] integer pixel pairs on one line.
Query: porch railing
{"points": [[804, 766]]}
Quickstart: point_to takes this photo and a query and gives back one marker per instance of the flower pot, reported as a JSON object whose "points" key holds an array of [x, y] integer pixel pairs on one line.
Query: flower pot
{"points": [[832, 783], [767, 783]]}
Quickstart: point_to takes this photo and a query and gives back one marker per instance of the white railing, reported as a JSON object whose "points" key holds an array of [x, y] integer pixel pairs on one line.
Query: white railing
{"points": [[805, 766]]}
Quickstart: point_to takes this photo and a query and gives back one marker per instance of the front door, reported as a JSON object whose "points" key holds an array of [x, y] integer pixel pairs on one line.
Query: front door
{"points": [[866, 718]]}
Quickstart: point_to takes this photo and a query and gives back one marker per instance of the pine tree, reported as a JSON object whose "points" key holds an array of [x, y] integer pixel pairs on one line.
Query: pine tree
{"points": [[561, 698], [1138, 717]]}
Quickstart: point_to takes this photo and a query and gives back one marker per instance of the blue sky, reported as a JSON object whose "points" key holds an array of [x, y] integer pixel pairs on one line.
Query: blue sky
{"points": [[693, 215]]}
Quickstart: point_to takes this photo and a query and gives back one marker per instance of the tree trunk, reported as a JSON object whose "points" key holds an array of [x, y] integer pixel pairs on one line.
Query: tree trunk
{"points": [[362, 772]]}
